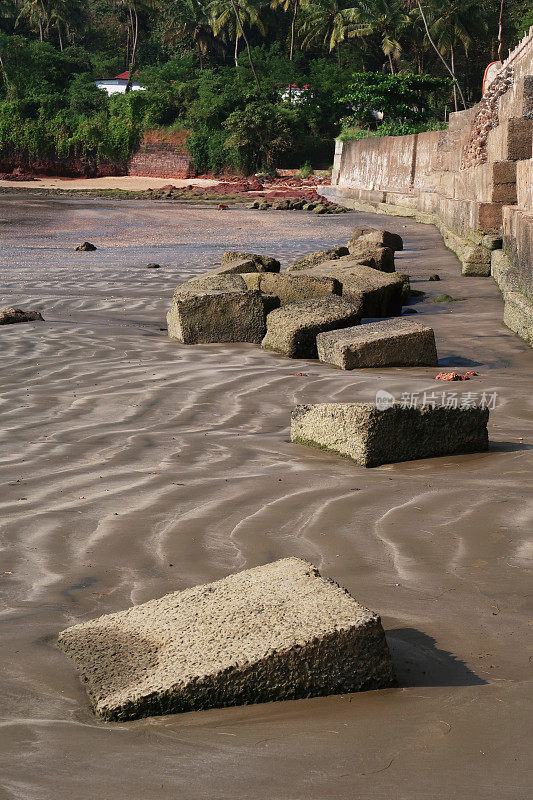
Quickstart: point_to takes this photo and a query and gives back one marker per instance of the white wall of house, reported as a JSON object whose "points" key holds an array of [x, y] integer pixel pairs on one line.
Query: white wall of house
{"points": [[117, 86]]}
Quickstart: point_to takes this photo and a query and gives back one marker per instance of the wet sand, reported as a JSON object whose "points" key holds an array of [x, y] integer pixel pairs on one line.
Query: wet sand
{"points": [[131, 466]]}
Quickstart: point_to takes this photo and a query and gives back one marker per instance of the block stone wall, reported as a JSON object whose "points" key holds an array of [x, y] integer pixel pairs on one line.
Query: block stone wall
{"points": [[474, 180]]}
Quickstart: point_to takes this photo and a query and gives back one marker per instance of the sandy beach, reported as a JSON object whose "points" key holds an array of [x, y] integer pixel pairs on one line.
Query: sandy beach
{"points": [[127, 182], [132, 466]]}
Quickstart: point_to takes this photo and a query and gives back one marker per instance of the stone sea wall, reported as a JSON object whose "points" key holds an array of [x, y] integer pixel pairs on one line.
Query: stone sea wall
{"points": [[162, 155], [473, 180]]}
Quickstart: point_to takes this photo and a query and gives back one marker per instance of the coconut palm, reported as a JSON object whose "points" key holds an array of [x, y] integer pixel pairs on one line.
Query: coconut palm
{"points": [[385, 20], [235, 14]]}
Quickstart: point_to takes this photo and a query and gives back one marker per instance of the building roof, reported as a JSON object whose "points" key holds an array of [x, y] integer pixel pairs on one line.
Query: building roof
{"points": [[124, 76]]}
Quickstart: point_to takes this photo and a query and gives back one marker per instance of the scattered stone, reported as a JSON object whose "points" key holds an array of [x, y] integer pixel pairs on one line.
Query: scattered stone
{"points": [[372, 436], [215, 316], [153, 266], [10, 316], [406, 286], [264, 206], [292, 330], [263, 263], [293, 288], [376, 237], [319, 209], [309, 206], [222, 207], [407, 311], [379, 293], [86, 247], [391, 343], [434, 277], [318, 257], [381, 258], [275, 632]]}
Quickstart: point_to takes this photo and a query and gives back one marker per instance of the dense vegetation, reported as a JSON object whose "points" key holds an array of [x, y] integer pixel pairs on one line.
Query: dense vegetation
{"points": [[255, 83]]}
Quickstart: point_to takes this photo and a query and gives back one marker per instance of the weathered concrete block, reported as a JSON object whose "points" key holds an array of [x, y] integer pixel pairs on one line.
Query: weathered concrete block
{"points": [[518, 315], [213, 316], [378, 293], [263, 263], [318, 257], [371, 436], [510, 140], [392, 343], [237, 267], [209, 282], [475, 260], [381, 238], [276, 632], [381, 258], [10, 316], [292, 330], [293, 288]]}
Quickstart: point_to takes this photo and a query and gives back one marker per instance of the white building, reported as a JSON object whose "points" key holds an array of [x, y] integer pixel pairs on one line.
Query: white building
{"points": [[117, 85]]}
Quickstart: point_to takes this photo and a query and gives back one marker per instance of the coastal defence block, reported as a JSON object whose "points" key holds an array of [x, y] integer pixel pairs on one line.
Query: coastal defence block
{"points": [[318, 257], [392, 343], [292, 329], [262, 263], [371, 436], [376, 237], [205, 317], [379, 293], [275, 632], [292, 288], [380, 258]]}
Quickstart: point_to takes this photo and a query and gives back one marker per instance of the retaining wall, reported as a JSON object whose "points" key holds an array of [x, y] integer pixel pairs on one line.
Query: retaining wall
{"points": [[473, 180]]}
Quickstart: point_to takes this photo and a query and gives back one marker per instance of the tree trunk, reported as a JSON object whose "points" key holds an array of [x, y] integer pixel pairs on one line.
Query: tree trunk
{"points": [[453, 70], [500, 32], [200, 58], [239, 23], [236, 48], [135, 33], [59, 34], [339, 62], [293, 23], [391, 66], [436, 49]]}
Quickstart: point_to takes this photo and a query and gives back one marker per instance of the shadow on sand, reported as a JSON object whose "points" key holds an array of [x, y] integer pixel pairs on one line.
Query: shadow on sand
{"points": [[419, 662]]}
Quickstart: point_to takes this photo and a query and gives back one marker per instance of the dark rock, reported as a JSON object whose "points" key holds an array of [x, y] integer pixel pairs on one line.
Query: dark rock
{"points": [[86, 247], [10, 316]]}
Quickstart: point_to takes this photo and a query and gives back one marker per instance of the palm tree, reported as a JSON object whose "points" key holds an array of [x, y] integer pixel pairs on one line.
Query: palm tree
{"points": [[286, 5], [323, 24], [233, 14], [188, 19], [384, 19], [35, 12]]}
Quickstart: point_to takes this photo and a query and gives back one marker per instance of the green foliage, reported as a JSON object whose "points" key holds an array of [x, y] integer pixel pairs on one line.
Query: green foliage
{"points": [[350, 134], [261, 134], [306, 170], [402, 99]]}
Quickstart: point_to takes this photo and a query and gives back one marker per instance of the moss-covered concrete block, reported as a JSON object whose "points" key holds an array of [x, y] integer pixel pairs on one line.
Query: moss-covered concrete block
{"points": [[292, 329], [211, 316], [262, 263], [293, 288], [372, 436], [395, 342], [275, 632], [318, 257]]}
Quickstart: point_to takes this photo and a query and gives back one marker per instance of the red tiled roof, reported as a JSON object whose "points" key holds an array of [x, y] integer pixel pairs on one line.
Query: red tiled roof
{"points": [[123, 76]]}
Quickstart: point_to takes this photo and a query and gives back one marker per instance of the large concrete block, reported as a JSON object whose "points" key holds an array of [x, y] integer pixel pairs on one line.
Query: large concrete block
{"points": [[292, 330], [293, 288], [318, 257], [363, 235], [213, 316], [371, 436], [381, 258], [379, 293], [392, 343], [276, 632], [263, 263], [208, 282]]}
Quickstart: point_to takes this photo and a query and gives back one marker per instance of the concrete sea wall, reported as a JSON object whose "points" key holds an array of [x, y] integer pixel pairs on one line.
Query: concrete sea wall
{"points": [[473, 180]]}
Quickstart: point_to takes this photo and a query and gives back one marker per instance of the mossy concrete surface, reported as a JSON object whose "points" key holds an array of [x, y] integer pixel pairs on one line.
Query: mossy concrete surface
{"points": [[292, 329], [396, 342], [371, 436], [275, 632]]}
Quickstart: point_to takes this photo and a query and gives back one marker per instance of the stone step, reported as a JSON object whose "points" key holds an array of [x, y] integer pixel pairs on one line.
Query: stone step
{"points": [[391, 343], [275, 632]]}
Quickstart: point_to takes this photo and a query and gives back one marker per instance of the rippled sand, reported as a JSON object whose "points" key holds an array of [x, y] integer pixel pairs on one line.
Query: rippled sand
{"points": [[131, 466]]}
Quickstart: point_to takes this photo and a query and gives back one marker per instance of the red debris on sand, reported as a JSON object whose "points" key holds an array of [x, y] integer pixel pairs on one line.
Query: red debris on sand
{"points": [[454, 376], [303, 374]]}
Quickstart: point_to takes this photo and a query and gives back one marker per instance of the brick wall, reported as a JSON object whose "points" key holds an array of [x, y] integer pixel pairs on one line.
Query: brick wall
{"points": [[160, 161]]}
